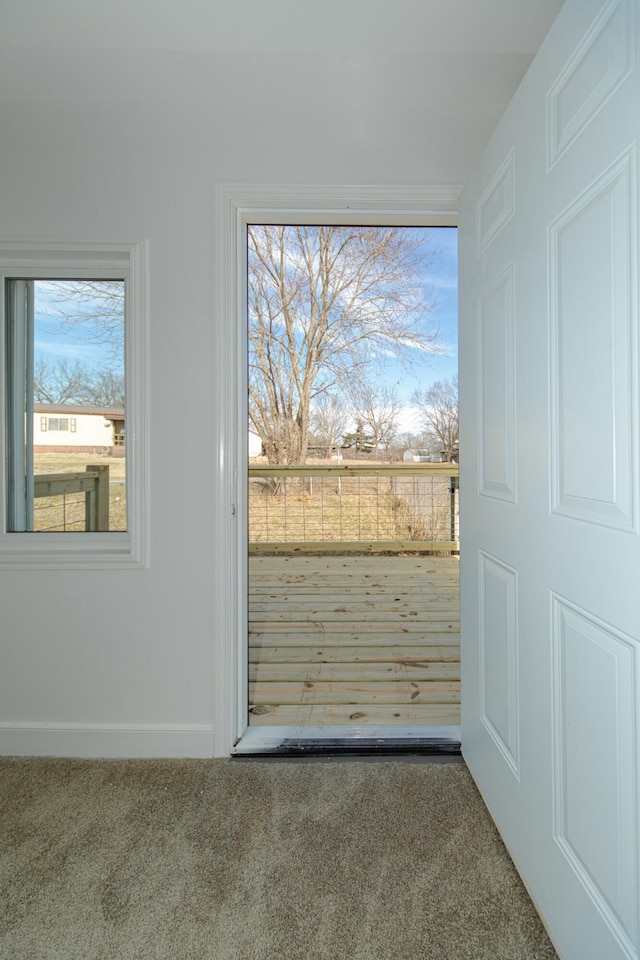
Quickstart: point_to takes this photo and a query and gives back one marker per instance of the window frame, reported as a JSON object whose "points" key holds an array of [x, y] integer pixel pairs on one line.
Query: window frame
{"points": [[96, 260]]}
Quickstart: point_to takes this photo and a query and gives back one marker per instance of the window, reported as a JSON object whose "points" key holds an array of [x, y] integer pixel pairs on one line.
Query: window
{"points": [[64, 346], [74, 337]]}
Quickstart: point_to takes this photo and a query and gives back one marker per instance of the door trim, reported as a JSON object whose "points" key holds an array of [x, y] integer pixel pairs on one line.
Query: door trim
{"points": [[236, 206]]}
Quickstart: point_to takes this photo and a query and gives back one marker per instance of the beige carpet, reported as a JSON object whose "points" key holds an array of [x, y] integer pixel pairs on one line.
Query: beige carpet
{"points": [[228, 860]]}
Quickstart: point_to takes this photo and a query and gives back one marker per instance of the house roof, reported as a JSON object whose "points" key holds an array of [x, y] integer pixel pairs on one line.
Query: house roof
{"points": [[109, 413]]}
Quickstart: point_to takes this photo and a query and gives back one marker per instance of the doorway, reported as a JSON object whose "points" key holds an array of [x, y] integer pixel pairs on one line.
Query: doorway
{"points": [[283, 614]]}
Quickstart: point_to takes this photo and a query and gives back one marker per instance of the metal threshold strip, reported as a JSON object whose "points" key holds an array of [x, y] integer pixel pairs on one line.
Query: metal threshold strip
{"points": [[314, 748], [294, 741]]}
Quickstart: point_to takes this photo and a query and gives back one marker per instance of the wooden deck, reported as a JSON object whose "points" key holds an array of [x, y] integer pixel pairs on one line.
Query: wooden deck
{"points": [[354, 640]]}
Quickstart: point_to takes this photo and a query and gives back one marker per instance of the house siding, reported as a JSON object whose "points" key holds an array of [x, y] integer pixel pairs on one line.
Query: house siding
{"points": [[88, 432]]}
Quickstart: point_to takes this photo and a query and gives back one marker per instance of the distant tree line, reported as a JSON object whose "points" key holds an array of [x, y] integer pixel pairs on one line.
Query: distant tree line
{"points": [[61, 381], [374, 411]]}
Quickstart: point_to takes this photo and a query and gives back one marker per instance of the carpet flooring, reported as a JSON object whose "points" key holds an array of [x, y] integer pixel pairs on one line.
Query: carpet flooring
{"points": [[238, 860]]}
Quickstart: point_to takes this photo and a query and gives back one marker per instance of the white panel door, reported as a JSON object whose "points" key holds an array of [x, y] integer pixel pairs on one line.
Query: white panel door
{"points": [[550, 568]]}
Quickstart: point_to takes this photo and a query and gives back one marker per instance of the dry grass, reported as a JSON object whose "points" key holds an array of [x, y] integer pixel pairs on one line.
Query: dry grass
{"points": [[350, 509], [56, 514], [424, 504]]}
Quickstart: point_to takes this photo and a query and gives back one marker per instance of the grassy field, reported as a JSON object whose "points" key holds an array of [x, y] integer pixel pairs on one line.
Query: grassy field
{"points": [[68, 513]]}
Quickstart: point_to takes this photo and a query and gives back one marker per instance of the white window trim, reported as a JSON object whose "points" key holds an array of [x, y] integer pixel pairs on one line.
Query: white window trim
{"points": [[236, 206], [95, 259]]}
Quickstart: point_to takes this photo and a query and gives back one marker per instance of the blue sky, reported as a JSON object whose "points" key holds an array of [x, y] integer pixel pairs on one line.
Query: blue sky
{"points": [[51, 346], [53, 341], [441, 278]]}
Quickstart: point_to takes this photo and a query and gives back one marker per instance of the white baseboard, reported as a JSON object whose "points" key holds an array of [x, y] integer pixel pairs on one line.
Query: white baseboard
{"points": [[116, 741]]}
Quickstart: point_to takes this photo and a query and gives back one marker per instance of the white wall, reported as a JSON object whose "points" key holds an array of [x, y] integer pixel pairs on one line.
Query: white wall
{"points": [[104, 136], [78, 169]]}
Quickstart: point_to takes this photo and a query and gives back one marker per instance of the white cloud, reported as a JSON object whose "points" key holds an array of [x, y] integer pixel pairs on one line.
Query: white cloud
{"points": [[409, 420], [443, 283], [63, 349]]}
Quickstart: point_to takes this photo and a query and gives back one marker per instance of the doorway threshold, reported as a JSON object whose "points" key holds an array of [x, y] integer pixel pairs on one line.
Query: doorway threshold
{"points": [[323, 740]]}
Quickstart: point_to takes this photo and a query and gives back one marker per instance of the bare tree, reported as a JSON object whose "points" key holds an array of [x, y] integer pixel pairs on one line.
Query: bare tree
{"points": [[329, 418], [88, 312], [105, 387], [323, 302], [62, 382], [92, 309], [377, 407], [439, 413], [59, 381]]}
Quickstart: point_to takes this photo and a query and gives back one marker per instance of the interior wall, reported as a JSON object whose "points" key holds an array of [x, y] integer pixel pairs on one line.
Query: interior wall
{"points": [[102, 170], [142, 161]]}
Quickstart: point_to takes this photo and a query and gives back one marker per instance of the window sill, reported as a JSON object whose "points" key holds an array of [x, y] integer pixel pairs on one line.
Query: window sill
{"points": [[81, 551]]}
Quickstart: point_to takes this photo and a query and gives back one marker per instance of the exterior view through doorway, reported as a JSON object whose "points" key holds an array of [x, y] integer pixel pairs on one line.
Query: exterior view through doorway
{"points": [[352, 520]]}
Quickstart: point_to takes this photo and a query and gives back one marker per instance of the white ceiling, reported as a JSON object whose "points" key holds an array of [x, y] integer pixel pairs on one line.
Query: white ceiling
{"points": [[450, 66]]}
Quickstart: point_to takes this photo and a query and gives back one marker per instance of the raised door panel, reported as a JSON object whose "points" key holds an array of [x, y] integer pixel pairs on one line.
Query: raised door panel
{"points": [[496, 388], [594, 371], [499, 656], [596, 686], [600, 63]]}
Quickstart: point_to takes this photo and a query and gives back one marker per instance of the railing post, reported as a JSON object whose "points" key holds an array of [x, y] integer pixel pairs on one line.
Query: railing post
{"points": [[454, 498], [97, 501]]}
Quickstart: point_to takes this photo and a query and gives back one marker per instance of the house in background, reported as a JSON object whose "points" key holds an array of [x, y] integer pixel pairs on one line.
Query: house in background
{"points": [[71, 428], [254, 445], [414, 455]]}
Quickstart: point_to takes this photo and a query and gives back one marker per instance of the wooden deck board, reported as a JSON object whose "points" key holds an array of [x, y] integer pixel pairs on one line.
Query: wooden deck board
{"points": [[364, 653], [407, 693], [353, 640], [359, 715], [310, 634], [417, 631], [341, 671]]}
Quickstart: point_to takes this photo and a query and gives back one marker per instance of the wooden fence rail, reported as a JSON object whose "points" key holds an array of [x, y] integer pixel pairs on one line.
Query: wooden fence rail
{"points": [[93, 482], [354, 470]]}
